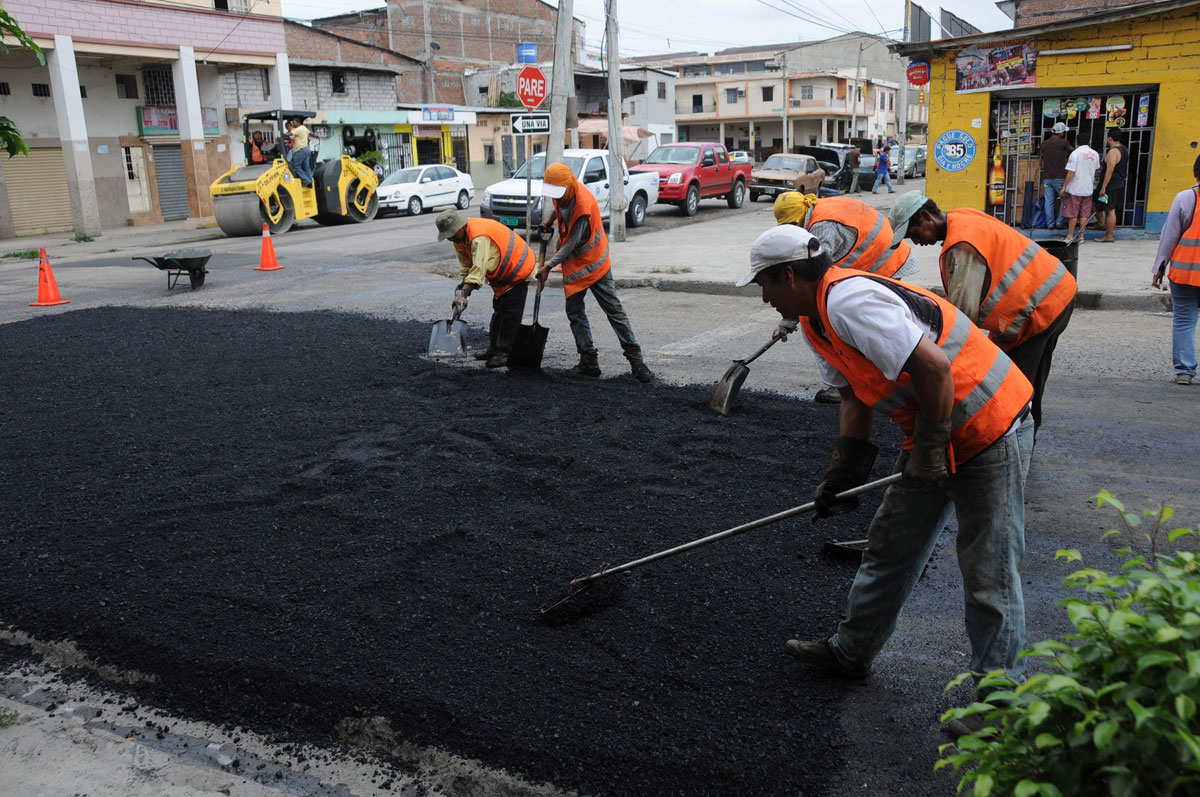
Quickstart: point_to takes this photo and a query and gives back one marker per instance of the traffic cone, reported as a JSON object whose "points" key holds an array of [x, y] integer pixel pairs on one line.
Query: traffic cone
{"points": [[47, 287], [267, 261]]}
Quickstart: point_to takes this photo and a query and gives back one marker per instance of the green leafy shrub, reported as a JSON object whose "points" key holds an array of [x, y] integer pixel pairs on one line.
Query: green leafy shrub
{"points": [[1115, 711]]}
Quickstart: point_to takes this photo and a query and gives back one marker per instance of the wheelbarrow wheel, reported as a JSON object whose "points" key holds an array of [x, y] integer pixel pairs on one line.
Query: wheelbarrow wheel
{"points": [[197, 277]]}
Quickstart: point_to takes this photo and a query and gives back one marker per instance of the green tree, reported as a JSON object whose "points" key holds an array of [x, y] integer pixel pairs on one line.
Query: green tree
{"points": [[10, 136], [508, 99]]}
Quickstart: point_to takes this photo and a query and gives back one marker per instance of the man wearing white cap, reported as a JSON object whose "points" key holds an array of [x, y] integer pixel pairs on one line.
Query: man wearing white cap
{"points": [[1054, 170], [904, 352]]}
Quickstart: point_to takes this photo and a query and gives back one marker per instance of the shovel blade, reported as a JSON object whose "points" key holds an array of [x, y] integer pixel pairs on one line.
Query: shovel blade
{"points": [[448, 339], [728, 388], [528, 346]]}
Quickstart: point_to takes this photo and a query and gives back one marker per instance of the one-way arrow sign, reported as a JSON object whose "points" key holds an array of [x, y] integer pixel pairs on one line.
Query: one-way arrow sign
{"points": [[529, 124]]}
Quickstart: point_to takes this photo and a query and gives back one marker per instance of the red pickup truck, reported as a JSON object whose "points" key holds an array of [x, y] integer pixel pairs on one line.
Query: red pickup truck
{"points": [[695, 170]]}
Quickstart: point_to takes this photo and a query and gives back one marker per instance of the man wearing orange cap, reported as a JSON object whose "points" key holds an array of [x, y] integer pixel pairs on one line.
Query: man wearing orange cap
{"points": [[583, 255]]}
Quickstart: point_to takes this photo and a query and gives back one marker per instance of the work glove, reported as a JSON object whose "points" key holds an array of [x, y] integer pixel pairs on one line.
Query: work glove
{"points": [[786, 327], [460, 302], [849, 467], [926, 464]]}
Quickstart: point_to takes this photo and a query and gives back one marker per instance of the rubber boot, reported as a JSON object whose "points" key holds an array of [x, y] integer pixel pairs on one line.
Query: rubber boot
{"points": [[640, 372], [589, 365]]}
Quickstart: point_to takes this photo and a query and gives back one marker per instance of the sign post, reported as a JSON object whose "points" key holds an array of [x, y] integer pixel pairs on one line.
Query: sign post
{"points": [[531, 90]]}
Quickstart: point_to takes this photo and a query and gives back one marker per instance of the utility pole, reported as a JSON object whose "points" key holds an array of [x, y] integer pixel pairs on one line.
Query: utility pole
{"points": [[616, 156], [854, 95], [562, 78], [572, 104], [429, 52], [781, 59], [902, 121]]}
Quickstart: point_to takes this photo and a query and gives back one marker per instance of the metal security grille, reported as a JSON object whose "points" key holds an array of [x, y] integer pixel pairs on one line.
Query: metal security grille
{"points": [[172, 185], [159, 86], [396, 149], [38, 198]]}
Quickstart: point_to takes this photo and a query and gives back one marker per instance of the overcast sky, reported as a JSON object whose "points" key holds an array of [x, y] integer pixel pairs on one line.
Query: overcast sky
{"points": [[659, 26]]}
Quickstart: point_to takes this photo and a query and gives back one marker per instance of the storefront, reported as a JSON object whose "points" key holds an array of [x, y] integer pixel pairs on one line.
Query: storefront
{"points": [[400, 138], [995, 96]]}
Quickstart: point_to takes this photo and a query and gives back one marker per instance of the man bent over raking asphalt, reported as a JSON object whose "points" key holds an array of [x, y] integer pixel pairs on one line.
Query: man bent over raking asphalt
{"points": [[964, 408]]}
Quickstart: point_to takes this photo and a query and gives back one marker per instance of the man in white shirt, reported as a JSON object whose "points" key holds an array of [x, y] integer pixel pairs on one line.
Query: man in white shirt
{"points": [[1078, 186]]}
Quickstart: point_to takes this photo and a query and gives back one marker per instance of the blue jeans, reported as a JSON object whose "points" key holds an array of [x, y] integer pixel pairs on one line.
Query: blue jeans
{"points": [[605, 291], [1185, 309], [988, 496], [1051, 193], [883, 177], [298, 160]]}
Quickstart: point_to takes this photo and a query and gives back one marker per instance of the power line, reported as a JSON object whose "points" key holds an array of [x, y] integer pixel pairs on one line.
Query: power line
{"points": [[797, 16]]}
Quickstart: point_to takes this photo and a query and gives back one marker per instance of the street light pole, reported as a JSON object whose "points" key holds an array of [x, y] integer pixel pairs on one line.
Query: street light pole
{"points": [[854, 95], [902, 122], [616, 157]]}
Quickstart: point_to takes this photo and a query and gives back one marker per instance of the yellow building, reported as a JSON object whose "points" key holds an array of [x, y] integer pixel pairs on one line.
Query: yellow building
{"points": [[995, 96]]}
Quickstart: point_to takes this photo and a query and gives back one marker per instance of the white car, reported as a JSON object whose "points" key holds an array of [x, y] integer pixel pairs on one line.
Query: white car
{"points": [[418, 188]]}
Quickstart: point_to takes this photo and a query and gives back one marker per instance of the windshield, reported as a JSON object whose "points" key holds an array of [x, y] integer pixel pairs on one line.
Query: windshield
{"points": [[402, 176], [677, 156], [784, 162], [539, 166]]}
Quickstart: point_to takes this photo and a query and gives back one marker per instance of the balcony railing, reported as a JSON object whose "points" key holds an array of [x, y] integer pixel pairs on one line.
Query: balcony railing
{"points": [[694, 108], [830, 105]]}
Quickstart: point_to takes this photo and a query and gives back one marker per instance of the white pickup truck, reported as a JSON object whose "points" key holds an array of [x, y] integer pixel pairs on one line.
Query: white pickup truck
{"points": [[506, 202]]}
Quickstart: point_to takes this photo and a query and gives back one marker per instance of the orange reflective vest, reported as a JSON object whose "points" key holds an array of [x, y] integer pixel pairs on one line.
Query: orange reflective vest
{"points": [[256, 155], [588, 266], [1027, 288], [1185, 259], [516, 262], [870, 252], [990, 393]]}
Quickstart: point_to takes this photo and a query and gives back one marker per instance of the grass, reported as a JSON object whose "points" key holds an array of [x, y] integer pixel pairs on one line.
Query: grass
{"points": [[83, 238], [23, 253], [8, 717], [671, 270]]}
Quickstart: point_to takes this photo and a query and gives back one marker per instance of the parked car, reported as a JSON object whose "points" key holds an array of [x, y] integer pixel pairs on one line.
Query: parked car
{"points": [[784, 172], [866, 171], [506, 201], [914, 162], [691, 171], [419, 188], [740, 156], [832, 160]]}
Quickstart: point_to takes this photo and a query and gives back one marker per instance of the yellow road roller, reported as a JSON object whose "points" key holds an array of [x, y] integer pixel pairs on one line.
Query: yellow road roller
{"points": [[267, 190]]}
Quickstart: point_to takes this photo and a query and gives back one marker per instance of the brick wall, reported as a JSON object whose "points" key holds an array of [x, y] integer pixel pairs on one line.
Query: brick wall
{"points": [[243, 89], [1036, 12], [120, 21]]}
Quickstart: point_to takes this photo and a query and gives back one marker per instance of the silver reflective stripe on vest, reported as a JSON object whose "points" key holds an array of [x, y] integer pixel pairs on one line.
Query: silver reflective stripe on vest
{"points": [[592, 244], [865, 244], [512, 243], [1185, 265], [583, 272], [1006, 281], [953, 345], [1014, 329], [966, 409]]}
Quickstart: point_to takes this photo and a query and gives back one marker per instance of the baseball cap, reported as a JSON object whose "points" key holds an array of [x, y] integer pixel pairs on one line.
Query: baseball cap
{"points": [[780, 244], [902, 212], [558, 176], [1059, 127], [448, 223]]}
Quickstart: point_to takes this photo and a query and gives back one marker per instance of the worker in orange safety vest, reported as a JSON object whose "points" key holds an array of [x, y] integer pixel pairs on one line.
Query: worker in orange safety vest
{"points": [[1005, 282], [903, 352], [488, 250], [1178, 259], [257, 155], [583, 254]]}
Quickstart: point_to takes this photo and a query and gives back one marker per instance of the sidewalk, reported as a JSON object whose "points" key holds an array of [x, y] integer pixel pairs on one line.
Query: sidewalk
{"points": [[709, 258], [150, 239]]}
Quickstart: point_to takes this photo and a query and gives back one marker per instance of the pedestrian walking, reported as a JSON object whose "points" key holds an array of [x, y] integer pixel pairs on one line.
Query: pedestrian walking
{"points": [[1002, 281], [850, 178], [1079, 185], [583, 254], [1178, 259], [882, 174], [963, 406], [1112, 187], [487, 250], [1054, 171]]}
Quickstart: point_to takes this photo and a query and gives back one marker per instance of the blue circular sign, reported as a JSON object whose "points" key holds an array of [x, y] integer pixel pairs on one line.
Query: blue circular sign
{"points": [[954, 150]]}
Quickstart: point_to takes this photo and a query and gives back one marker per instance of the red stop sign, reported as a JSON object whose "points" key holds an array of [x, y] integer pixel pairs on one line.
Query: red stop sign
{"points": [[531, 87]]}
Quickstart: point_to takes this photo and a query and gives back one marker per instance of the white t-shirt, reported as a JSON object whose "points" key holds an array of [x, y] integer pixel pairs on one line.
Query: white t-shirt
{"points": [[875, 321], [1084, 161]]}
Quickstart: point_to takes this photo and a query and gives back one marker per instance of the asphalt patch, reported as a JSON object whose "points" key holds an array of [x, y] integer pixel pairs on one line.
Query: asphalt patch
{"points": [[295, 519]]}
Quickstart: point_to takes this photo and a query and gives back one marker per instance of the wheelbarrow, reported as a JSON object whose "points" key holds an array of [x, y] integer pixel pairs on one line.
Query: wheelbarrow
{"points": [[183, 261]]}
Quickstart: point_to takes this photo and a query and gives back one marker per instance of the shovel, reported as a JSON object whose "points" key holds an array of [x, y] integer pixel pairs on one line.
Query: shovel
{"points": [[530, 341], [731, 383], [449, 338]]}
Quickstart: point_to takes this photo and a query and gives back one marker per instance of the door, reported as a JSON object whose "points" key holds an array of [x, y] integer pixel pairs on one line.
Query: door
{"points": [[710, 175], [444, 185], [595, 177], [137, 185], [429, 150], [172, 185], [38, 198], [724, 168], [460, 154]]}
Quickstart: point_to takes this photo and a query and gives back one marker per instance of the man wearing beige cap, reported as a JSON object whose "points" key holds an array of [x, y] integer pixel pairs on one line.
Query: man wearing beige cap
{"points": [[488, 250], [1054, 171], [901, 351]]}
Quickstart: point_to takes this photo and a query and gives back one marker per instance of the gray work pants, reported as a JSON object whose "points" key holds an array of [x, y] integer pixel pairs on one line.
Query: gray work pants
{"points": [[605, 291]]}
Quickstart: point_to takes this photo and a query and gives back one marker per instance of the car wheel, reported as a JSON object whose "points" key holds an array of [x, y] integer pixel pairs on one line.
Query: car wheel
{"points": [[464, 201], [753, 195], [737, 196], [691, 203], [414, 206], [635, 216]]}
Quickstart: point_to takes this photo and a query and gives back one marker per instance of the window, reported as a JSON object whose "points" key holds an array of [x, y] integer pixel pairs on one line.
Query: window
{"points": [[41, 89], [483, 91], [159, 86], [721, 156], [127, 87], [806, 92], [230, 5], [697, 103], [731, 96], [709, 159], [697, 70], [730, 69], [768, 93], [662, 89], [595, 169], [4, 89], [891, 101], [632, 108], [489, 154], [755, 66], [337, 82], [83, 92]]}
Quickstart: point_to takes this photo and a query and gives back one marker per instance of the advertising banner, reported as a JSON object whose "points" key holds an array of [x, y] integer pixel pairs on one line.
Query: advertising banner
{"points": [[985, 67], [163, 120]]}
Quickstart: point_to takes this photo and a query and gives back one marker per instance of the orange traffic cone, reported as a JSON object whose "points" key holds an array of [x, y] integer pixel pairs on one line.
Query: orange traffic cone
{"points": [[267, 261], [47, 287]]}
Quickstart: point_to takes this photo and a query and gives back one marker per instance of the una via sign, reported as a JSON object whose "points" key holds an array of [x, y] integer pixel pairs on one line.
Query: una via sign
{"points": [[528, 124]]}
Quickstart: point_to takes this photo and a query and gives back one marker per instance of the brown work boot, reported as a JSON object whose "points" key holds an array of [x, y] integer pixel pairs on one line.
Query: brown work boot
{"points": [[819, 653], [641, 372], [589, 365]]}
